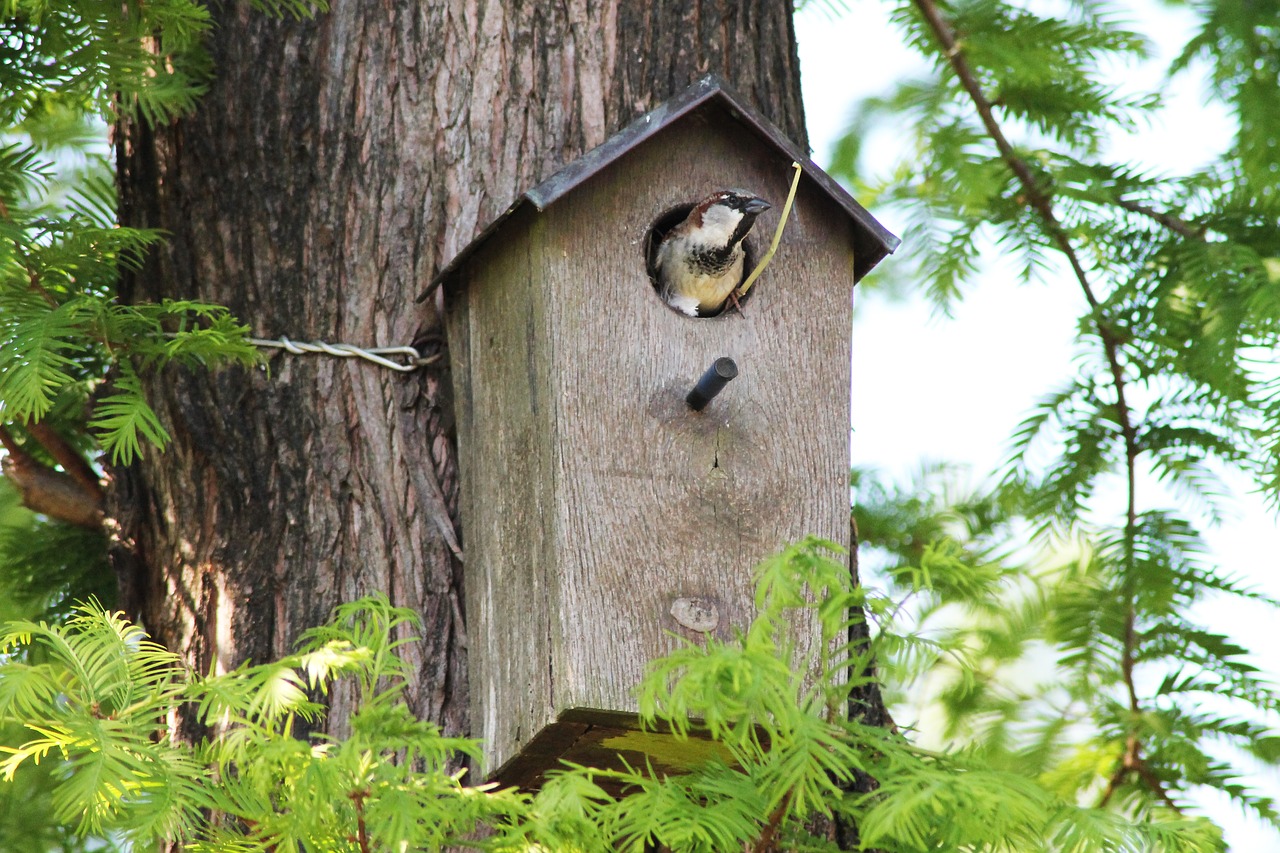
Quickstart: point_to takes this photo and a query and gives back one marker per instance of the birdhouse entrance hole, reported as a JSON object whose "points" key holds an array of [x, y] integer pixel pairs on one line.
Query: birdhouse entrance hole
{"points": [[659, 230]]}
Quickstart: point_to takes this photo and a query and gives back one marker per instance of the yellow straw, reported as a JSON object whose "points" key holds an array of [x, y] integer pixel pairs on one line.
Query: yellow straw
{"points": [[777, 235]]}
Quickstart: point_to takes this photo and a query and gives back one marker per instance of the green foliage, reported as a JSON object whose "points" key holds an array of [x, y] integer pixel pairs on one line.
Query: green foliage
{"points": [[1065, 612], [43, 562], [25, 823], [1241, 41], [46, 563], [1065, 640], [1178, 327], [66, 67], [60, 326], [101, 697], [99, 56]]}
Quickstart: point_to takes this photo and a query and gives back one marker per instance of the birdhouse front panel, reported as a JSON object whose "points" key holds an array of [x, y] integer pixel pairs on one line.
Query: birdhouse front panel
{"points": [[661, 504], [603, 516]]}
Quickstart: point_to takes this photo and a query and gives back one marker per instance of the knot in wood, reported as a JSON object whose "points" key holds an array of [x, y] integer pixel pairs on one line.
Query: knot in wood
{"points": [[696, 614]]}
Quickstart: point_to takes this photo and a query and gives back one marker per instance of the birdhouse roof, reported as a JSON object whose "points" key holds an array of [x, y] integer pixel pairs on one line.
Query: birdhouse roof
{"points": [[872, 241]]}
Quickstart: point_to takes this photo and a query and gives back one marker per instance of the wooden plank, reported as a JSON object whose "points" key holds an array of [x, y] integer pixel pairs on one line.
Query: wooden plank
{"points": [[506, 477]]}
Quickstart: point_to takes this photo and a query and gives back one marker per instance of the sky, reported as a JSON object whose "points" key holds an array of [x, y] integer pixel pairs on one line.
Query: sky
{"points": [[928, 388]]}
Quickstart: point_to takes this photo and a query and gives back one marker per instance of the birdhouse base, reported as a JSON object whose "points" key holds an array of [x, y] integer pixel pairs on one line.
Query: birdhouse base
{"points": [[608, 740]]}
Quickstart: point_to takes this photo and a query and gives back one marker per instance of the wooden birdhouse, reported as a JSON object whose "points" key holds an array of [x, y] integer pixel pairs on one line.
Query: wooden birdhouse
{"points": [[601, 513]]}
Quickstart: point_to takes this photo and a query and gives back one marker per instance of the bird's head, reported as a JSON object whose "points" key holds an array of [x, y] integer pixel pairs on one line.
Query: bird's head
{"points": [[724, 218]]}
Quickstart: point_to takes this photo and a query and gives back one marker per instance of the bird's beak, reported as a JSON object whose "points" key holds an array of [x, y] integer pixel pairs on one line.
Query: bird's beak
{"points": [[756, 206]]}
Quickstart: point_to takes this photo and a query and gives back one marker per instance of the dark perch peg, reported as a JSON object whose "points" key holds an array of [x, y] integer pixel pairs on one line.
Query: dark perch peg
{"points": [[712, 383]]}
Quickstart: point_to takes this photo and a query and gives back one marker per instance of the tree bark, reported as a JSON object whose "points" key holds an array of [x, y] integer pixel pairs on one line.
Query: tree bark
{"points": [[333, 167]]}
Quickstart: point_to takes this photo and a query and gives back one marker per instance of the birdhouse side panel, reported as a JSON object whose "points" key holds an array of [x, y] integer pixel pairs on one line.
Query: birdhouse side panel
{"points": [[501, 357]]}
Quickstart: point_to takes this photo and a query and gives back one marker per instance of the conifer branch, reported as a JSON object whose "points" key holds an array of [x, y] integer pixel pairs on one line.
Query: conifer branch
{"points": [[1132, 762], [1040, 200], [1157, 787], [765, 843], [33, 280], [362, 829]]}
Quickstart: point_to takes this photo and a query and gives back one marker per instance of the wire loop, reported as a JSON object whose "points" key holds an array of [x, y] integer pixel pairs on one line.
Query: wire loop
{"points": [[412, 359]]}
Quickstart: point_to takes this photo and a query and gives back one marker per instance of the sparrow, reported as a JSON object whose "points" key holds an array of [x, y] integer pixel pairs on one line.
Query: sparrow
{"points": [[699, 262]]}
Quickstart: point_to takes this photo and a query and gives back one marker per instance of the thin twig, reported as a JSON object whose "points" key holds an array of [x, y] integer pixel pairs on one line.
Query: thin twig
{"points": [[1113, 784], [777, 235], [362, 831], [1133, 762], [1174, 223], [1041, 202], [33, 281], [765, 842], [1153, 782]]}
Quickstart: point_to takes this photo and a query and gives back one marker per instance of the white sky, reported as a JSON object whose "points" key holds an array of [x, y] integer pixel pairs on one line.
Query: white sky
{"points": [[1009, 343]]}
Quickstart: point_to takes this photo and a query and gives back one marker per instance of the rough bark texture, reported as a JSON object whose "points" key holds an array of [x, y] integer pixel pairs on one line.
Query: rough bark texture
{"points": [[333, 167]]}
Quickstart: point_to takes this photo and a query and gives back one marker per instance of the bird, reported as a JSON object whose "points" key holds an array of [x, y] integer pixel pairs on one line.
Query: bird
{"points": [[699, 262]]}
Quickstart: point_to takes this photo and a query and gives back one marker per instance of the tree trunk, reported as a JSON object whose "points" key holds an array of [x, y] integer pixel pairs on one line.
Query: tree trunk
{"points": [[333, 167]]}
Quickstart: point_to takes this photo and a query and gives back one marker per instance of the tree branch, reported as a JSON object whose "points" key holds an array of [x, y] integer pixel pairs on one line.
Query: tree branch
{"points": [[1036, 198], [1132, 762], [1113, 784], [362, 831], [765, 842], [51, 492], [66, 456], [1176, 224], [1042, 203], [32, 279]]}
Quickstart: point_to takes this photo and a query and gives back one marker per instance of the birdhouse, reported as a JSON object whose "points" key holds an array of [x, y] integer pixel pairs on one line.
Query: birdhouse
{"points": [[603, 515]]}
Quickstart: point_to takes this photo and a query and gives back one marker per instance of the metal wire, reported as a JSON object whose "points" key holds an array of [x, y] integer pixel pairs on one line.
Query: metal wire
{"points": [[412, 359]]}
